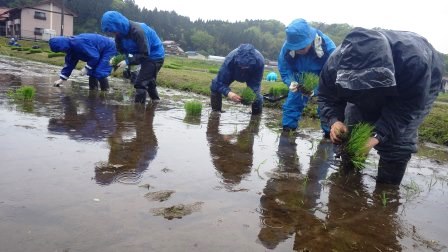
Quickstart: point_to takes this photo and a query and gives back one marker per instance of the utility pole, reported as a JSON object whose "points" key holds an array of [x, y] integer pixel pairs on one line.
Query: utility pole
{"points": [[62, 18]]}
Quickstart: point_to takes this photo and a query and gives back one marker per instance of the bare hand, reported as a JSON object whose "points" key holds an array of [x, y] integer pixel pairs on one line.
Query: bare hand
{"points": [[370, 144], [234, 97], [338, 129], [58, 82]]}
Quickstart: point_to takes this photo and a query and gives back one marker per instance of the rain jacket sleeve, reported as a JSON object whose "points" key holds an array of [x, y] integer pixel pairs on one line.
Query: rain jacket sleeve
{"points": [[138, 35], [224, 78], [70, 63]]}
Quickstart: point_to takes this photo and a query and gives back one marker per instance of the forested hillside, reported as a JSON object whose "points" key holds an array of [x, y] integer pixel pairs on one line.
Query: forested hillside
{"points": [[208, 37]]}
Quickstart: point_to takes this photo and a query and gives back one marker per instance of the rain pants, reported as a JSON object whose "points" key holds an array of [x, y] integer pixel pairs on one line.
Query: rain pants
{"points": [[94, 49], [292, 68], [244, 64], [387, 78]]}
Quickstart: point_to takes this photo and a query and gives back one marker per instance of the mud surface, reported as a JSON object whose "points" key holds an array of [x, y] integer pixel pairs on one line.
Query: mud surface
{"points": [[89, 171]]}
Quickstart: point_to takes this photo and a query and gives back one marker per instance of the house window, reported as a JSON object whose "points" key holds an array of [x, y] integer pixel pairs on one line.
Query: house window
{"points": [[38, 31], [40, 15]]}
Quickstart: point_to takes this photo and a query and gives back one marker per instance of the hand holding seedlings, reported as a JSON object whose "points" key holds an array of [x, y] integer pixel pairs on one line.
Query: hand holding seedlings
{"points": [[337, 131], [234, 97]]}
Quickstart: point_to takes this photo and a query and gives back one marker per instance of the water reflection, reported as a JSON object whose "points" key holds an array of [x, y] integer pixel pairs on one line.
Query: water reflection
{"points": [[295, 205], [84, 118], [133, 145], [232, 154]]}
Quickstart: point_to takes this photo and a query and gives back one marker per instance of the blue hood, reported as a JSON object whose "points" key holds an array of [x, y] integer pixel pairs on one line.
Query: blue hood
{"points": [[246, 56], [114, 21], [59, 44], [299, 35]]}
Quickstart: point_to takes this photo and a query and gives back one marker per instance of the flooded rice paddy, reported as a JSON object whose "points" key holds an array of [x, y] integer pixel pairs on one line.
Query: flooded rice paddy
{"points": [[89, 171]]}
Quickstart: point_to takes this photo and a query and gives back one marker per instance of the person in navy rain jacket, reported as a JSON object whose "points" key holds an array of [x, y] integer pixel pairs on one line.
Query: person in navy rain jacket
{"points": [[305, 50], [243, 64], [389, 79], [94, 49], [142, 46]]}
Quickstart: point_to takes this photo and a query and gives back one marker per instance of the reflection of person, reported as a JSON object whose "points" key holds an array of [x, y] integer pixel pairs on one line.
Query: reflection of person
{"points": [[142, 46], [96, 50], [389, 79], [96, 123], [290, 198], [130, 157], [243, 64], [306, 49], [291, 206], [233, 160]]}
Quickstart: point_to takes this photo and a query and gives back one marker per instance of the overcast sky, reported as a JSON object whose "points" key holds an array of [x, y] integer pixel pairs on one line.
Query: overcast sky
{"points": [[428, 18]]}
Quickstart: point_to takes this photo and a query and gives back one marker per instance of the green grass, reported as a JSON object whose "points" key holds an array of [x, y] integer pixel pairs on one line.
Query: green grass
{"points": [[25, 93], [193, 108], [434, 128], [248, 96], [354, 149]]}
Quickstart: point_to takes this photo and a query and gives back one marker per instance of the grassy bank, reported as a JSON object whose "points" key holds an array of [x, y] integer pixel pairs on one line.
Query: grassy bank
{"points": [[195, 76]]}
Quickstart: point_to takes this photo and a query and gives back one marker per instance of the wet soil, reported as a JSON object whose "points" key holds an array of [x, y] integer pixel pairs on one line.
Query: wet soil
{"points": [[89, 171]]}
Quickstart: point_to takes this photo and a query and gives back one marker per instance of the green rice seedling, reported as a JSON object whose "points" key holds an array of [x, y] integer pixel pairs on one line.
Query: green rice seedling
{"points": [[354, 152], [278, 89], [25, 93], [193, 108], [247, 96], [310, 81], [384, 199], [117, 59], [56, 54]]}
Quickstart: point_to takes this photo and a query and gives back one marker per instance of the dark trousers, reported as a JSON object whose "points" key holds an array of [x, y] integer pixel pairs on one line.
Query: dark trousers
{"points": [[146, 79]]}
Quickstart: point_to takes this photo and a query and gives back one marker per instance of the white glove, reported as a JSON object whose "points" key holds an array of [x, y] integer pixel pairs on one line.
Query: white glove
{"points": [[58, 83], [293, 86], [83, 71], [122, 64], [111, 61]]}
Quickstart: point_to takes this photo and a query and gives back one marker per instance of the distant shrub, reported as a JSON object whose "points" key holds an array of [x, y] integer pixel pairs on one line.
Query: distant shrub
{"points": [[56, 54], [34, 51], [213, 70], [172, 66]]}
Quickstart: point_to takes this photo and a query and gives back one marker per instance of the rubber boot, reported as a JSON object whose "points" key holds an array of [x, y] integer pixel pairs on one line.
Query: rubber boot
{"points": [[140, 96], [104, 84], [93, 83], [152, 90], [216, 101], [257, 107], [391, 172]]}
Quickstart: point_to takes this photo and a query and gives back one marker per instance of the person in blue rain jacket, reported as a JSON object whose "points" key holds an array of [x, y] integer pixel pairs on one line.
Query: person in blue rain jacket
{"points": [[389, 79], [305, 50], [243, 64], [142, 46], [94, 49]]}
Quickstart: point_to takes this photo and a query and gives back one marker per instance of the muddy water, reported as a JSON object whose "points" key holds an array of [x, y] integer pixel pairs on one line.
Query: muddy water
{"points": [[89, 171]]}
